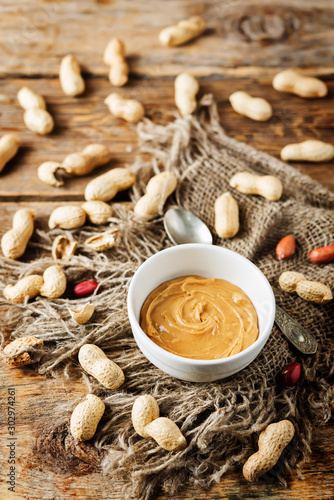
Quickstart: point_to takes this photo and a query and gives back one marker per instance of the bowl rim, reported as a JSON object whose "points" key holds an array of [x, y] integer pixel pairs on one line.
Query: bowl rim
{"points": [[190, 361]]}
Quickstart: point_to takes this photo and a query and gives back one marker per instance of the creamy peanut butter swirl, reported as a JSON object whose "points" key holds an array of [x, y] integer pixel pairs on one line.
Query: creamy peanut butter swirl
{"points": [[200, 318]]}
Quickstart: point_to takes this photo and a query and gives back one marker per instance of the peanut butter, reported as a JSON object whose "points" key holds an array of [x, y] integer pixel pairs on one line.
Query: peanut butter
{"points": [[200, 318]]}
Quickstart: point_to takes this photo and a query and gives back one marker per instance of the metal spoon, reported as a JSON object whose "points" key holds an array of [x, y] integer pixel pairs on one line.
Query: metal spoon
{"points": [[183, 226]]}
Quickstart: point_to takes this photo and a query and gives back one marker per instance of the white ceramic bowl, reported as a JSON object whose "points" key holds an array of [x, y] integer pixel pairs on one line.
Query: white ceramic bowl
{"points": [[208, 261]]}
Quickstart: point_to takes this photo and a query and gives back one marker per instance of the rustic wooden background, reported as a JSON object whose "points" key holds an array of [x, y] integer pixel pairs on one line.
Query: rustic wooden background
{"points": [[245, 44]]}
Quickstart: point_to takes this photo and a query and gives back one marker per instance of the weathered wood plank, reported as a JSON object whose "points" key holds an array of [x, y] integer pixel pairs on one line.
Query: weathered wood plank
{"points": [[269, 33], [80, 121]]}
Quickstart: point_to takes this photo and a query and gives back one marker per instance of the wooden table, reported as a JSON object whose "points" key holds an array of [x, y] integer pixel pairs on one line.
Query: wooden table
{"points": [[244, 46]]}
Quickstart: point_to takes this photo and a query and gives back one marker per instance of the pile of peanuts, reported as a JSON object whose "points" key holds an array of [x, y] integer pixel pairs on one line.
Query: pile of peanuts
{"points": [[26, 350]]}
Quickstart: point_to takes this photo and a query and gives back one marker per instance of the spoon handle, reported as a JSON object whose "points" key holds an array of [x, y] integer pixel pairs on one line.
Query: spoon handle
{"points": [[297, 335]]}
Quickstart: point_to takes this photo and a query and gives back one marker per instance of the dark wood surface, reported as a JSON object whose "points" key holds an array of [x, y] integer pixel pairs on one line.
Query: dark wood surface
{"points": [[245, 44]]}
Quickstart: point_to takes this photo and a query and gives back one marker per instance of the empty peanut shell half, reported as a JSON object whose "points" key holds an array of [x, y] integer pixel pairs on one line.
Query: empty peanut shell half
{"points": [[102, 241], [24, 351], [82, 313], [63, 248]]}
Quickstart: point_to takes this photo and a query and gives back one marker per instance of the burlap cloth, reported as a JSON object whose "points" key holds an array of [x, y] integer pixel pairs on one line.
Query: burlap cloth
{"points": [[220, 420]]}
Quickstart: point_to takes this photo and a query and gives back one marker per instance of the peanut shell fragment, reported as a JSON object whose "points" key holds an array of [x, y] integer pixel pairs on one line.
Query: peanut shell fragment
{"points": [[82, 313], [19, 350], [102, 241]]}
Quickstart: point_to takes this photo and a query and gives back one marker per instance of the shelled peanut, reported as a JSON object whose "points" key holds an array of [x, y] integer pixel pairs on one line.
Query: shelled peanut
{"points": [[51, 285], [186, 88], [286, 247], [75, 164], [70, 77], [255, 108], [14, 242], [182, 32], [290, 374], [292, 81], [322, 255], [114, 56], [35, 117], [158, 189], [148, 424], [268, 186], [312, 291], [9, 145]]}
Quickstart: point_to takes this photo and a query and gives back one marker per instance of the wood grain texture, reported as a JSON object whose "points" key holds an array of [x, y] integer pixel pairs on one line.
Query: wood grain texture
{"points": [[245, 44], [270, 33], [80, 121]]}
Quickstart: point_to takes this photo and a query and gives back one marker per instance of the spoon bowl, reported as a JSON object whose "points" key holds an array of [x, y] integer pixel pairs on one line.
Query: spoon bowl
{"points": [[183, 226]]}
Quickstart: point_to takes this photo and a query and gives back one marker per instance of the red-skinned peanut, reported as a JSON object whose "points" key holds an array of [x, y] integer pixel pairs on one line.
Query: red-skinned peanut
{"points": [[286, 247], [322, 255], [85, 289], [290, 374]]}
